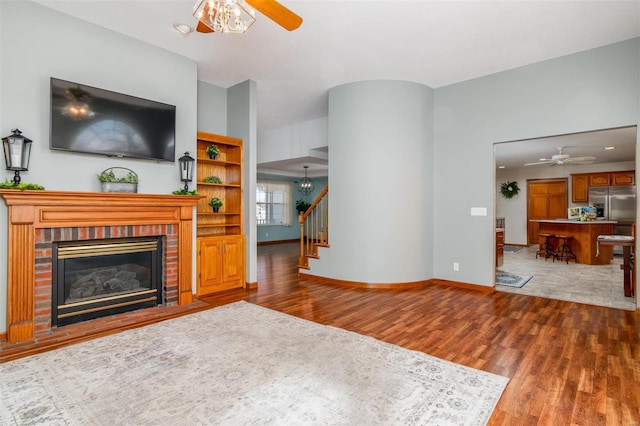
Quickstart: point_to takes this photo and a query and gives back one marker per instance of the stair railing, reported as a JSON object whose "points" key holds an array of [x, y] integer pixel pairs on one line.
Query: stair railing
{"points": [[314, 228]]}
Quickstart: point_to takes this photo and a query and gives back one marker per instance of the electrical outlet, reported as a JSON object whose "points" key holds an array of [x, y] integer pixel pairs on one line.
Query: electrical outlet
{"points": [[266, 234], [456, 266]]}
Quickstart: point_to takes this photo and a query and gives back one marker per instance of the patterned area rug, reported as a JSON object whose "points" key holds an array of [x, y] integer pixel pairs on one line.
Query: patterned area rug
{"points": [[512, 280], [242, 364], [511, 249]]}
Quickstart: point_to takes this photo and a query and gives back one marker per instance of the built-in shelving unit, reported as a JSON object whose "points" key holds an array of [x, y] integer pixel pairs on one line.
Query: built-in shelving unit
{"points": [[220, 234]]}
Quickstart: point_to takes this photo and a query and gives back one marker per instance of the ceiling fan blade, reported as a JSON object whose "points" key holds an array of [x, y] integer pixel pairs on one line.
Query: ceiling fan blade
{"points": [[202, 28], [277, 13], [540, 163], [580, 159]]}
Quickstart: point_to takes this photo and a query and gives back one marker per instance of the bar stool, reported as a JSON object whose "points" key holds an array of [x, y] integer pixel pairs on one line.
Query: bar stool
{"points": [[546, 248], [564, 250]]}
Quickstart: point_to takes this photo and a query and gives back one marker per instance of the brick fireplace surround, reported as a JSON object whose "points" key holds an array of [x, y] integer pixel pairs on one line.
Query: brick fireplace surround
{"points": [[37, 218]]}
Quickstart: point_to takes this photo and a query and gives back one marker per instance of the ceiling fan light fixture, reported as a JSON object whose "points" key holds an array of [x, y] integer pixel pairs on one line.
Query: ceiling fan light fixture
{"points": [[225, 16]]}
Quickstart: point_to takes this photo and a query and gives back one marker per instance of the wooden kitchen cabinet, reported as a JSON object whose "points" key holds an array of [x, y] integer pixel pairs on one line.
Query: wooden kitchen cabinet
{"points": [[581, 182], [600, 179], [623, 178], [579, 188], [499, 247], [220, 264]]}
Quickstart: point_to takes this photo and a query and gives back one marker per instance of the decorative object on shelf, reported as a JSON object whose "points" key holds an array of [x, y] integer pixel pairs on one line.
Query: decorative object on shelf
{"points": [[112, 183], [306, 185], [509, 189], [302, 206], [213, 151], [21, 186], [215, 203], [212, 179], [186, 169], [183, 191], [17, 151]]}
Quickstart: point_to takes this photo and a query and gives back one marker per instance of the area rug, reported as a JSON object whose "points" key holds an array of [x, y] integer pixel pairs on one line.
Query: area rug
{"points": [[242, 364], [512, 280], [511, 249]]}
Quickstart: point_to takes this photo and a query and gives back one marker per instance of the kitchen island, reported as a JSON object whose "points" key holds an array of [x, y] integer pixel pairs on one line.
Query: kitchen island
{"points": [[584, 238]]}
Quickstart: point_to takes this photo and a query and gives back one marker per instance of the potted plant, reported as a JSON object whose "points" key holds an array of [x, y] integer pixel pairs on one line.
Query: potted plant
{"points": [[215, 203], [302, 206], [213, 151], [212, 179], [113, 183]]}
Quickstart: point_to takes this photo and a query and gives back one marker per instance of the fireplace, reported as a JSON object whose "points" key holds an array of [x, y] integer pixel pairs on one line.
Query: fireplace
{"points": [[95, 278]]}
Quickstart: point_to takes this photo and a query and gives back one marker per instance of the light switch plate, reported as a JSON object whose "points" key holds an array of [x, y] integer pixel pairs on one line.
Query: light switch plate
{"points": [[478, 211]]}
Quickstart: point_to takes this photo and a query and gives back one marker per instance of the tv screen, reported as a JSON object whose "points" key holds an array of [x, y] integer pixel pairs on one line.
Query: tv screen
{"points": [[97, 121]]}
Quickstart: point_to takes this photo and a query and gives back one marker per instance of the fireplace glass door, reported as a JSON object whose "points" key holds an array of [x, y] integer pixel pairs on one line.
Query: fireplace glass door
{"points": [[95, 278]]}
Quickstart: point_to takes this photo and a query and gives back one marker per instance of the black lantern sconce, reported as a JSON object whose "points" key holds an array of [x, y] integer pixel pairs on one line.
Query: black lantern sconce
{"points": [[186, 169], [17, 150]]}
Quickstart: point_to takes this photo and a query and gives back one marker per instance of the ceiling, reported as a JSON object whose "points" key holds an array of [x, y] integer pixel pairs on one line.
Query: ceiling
{"points": [[436, 43], [512, 155]]}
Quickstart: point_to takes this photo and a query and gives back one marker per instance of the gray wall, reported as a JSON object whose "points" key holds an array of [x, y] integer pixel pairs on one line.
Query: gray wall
{"points": [[241, 123], [212, 108], [596, 89], [381, 182], [38, 43]]}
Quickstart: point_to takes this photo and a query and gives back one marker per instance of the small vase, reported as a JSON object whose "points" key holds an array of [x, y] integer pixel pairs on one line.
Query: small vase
{"points": [[215, 209], [213, 157]]}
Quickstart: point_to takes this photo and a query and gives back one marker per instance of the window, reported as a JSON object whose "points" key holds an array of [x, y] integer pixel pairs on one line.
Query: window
{"points": [[273, 202]]}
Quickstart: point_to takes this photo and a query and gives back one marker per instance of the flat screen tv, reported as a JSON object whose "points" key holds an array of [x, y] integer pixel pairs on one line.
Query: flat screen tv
{"points": [[97, 121]]}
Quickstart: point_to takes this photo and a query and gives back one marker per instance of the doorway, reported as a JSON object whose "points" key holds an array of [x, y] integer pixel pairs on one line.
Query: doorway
{"points": [[538, 153]]}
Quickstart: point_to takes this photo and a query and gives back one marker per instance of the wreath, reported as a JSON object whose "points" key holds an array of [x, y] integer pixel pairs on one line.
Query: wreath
{"points": [[509, 189]]}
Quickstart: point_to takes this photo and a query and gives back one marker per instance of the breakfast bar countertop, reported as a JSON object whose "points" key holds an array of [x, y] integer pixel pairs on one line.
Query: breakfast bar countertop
{"points": [[577, 222]]}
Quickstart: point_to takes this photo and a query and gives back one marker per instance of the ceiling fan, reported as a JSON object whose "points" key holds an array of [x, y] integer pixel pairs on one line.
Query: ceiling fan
{"points": [[236, 16], [561, 158]]}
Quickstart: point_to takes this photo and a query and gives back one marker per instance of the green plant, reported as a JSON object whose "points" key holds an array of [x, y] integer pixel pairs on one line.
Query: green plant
{"points": [[302, 206], [215, 202], [212, 179], [509, 189], [21, 186], [109, 176], [213, 150], [183, 191]]}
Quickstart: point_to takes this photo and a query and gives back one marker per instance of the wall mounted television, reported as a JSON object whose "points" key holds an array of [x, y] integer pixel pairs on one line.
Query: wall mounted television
{"points": [[98, 121]]}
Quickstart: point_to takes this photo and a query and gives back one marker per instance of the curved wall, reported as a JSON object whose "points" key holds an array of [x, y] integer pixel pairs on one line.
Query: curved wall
{"points": [[380, 183]]}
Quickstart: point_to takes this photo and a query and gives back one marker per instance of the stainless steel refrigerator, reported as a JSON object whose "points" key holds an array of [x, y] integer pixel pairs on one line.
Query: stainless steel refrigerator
{"points": [[615, 203]]}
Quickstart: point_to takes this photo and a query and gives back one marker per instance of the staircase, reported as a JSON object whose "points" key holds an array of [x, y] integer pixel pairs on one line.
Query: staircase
{"points": [[314, 229]]}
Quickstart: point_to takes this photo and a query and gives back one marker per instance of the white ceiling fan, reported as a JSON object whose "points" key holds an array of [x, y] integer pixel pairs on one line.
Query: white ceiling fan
{"points": [[561, 158]]}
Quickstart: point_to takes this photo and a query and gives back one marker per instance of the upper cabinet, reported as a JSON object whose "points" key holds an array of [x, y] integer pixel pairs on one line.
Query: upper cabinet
{"points": [[580, 188], [580, 183]]}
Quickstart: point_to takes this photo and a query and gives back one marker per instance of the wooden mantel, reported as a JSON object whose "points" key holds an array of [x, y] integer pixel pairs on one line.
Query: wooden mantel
{"points": [[30, 210]]}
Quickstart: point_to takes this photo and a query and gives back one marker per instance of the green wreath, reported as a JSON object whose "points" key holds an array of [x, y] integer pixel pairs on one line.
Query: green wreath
{"points": [[509, 189]]}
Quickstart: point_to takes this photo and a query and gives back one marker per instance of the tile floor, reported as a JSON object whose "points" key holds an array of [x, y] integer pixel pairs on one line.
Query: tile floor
{"points": [[591, 284]]}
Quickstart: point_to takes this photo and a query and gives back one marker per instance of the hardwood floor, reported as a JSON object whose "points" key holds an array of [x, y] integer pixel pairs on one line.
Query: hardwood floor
{"points": [[568, 363]]}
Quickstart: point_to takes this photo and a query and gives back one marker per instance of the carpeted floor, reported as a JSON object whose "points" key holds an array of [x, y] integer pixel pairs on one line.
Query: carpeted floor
{"points": [[242, 364], [512, 280]]}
